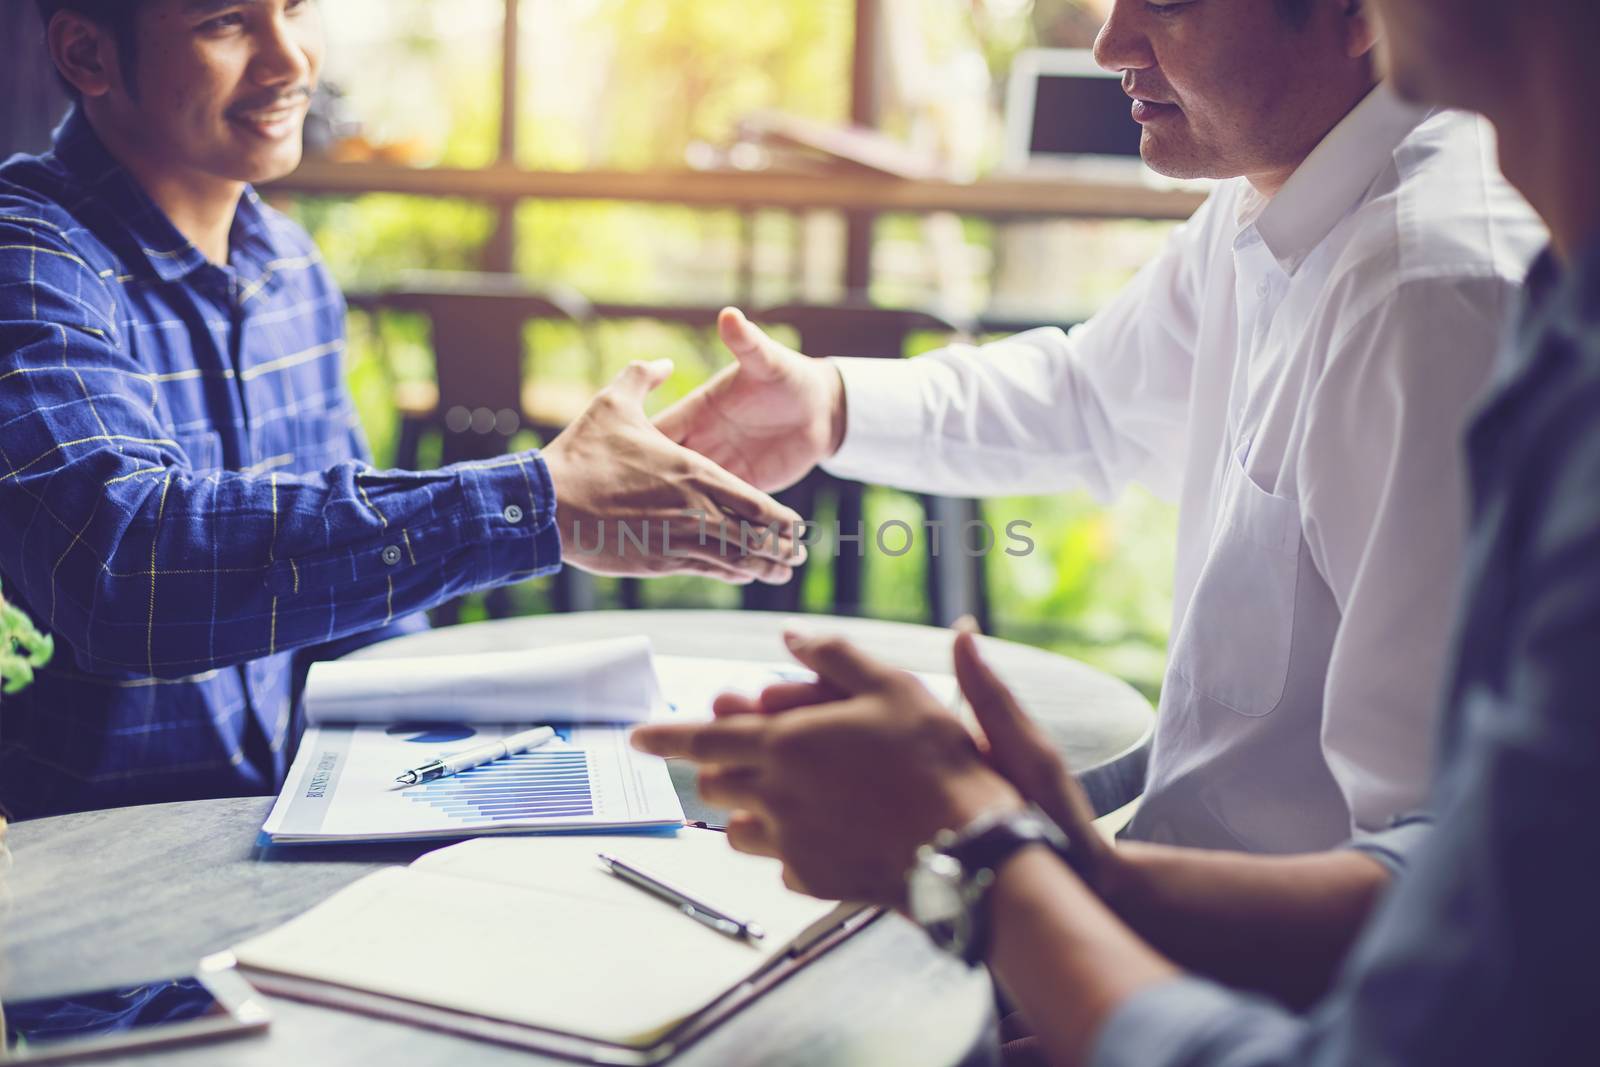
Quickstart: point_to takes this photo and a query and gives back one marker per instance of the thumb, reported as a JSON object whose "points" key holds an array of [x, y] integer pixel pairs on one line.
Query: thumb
{"points": [[1018, 749], [838, 663], [758, 355], [639, 379]]}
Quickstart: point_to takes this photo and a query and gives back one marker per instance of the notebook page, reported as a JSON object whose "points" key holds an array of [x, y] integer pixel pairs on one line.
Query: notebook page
{"points": [[700, 862], [611, 973], [534, 931]]}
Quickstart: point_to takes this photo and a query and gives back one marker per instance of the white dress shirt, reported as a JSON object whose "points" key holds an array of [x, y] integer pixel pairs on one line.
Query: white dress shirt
{"points": [[1297, 373]]}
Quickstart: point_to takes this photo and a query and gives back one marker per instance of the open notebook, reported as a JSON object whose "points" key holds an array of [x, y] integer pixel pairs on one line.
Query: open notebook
{"points": [[529, 941]]}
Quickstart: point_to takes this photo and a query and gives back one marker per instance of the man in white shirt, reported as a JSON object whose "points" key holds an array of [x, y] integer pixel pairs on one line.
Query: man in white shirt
{"points": [[1295, 369]]}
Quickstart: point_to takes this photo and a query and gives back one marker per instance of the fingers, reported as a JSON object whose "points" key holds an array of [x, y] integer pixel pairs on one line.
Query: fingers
{"points": [[748, 832], [1010, 733], [639, 379], [736, 741], [1018, 749], [786, 696], [758, 355], [754, 521], [727, 705], [793, 881], [731, 787], [840, 664]]}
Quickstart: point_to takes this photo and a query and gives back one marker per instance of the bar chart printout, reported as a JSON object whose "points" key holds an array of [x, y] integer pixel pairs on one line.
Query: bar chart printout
{"points": [[530, 785], [342, 788]]}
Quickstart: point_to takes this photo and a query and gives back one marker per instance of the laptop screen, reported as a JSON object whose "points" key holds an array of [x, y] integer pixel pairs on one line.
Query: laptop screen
{"points": [[1082, 115]]}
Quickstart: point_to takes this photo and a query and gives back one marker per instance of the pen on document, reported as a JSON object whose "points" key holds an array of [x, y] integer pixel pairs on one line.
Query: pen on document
{"points": [[698, 910], [477, 756]]}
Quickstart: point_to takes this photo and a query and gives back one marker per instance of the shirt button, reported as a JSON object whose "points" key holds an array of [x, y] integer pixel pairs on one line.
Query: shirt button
{"points": [[1262, 290], [391, 555], [513, 514]]}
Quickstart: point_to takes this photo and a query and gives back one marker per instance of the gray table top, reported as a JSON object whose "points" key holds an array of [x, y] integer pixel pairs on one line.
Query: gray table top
{"points": [[136, 894]]}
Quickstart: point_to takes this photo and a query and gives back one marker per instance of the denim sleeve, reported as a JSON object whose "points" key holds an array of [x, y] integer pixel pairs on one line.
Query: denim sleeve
{"points": [[1395, 847], [1188, 1022]]}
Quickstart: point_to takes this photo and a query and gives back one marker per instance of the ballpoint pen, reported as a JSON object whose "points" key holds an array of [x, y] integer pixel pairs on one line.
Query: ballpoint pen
{"points": [[477, 756], [698, 910]]}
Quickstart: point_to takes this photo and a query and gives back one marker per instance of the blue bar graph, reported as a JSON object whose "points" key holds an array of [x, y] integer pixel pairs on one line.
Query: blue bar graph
{"points": [[542, 784]]}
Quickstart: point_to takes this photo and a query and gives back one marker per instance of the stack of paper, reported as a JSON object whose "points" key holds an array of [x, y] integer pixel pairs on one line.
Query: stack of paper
{"points": [[373, 719], [610, 681]]}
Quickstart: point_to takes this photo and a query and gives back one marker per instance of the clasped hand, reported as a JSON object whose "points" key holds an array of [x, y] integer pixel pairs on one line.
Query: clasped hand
{"points": [[843, 778], [630, 501]]}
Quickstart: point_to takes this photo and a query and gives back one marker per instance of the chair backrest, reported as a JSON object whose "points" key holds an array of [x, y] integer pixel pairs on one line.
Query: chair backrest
{"points": [[477, 321], [853, 328]]}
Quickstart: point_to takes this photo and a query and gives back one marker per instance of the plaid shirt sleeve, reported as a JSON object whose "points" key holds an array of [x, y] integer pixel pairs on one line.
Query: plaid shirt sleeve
{"points": [[140, 563]]}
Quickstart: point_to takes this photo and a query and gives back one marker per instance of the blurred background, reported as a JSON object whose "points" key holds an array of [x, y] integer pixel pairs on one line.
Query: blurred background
{"points": [[520, 196]]}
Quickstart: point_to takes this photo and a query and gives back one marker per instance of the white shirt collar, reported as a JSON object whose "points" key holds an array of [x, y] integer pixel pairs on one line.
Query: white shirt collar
{"points": [[1332, 179]]}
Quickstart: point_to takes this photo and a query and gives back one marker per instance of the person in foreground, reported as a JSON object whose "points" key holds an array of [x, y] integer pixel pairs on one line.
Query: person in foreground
{"points": [[1296, 368], [1476, 955], [186, 500]]}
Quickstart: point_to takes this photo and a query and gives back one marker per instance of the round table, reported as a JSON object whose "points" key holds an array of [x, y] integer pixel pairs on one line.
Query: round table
{"points": [[135, 894], [1101, 724]]}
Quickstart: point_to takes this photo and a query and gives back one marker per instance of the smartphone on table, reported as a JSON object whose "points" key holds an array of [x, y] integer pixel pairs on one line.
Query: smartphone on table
{"points": [[214, 1002]]}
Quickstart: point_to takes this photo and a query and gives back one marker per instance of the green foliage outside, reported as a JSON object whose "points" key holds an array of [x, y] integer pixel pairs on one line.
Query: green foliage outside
{"points": [[22, 648], [1097, 586]]}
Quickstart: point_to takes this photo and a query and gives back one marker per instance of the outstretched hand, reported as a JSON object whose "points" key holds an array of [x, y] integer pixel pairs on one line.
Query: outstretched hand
{"points": [[630, 501], [770, 417]]}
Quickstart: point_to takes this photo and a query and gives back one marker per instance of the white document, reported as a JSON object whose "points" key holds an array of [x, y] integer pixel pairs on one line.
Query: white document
{"points": [[534, 931], [594, 681], [689, 684], [341, 787]]}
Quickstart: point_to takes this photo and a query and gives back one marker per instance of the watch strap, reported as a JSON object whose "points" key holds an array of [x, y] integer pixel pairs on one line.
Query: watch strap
{"points": [[982, 849]]}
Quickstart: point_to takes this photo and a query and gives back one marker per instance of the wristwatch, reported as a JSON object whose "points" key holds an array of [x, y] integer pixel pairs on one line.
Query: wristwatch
{"points": [[947, 888]]}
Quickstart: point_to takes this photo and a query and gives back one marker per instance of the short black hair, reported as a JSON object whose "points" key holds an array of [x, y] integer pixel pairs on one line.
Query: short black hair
{"points": [[117, 16]]}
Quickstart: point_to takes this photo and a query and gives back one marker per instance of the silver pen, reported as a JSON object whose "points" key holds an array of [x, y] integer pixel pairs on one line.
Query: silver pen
{"points": [[698, 910], [477, 756]]}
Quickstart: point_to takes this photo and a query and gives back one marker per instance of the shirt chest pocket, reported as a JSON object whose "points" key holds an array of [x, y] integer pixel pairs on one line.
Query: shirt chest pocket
{"points": [[1234, 641]]}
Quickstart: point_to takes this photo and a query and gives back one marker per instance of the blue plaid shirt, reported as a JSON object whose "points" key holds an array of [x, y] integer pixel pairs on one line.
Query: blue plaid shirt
{"points": [[185, 497]]}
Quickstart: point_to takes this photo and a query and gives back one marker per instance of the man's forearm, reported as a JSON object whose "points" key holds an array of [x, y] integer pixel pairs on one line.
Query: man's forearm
{"points": [[1280, 925], [1065, 960]]}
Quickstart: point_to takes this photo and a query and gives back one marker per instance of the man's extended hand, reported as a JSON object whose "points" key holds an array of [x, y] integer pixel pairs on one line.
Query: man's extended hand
{"points": [[770, 417], [845, 791], [631, 502]]}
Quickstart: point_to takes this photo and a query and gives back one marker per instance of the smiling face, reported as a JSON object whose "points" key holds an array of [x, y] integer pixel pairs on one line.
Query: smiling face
{"points": [[1225, 88], [221, 88]]}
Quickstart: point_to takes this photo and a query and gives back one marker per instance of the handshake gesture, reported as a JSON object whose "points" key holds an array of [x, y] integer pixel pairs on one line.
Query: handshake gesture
{"points": [[682, 496]]}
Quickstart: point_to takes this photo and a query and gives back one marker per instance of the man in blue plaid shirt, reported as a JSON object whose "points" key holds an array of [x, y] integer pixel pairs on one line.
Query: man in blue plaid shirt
{"points": [[185, 495]]}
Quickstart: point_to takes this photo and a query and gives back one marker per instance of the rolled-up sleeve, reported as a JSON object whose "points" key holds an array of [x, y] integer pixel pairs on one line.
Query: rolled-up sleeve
{"points": [[1396, 846]]}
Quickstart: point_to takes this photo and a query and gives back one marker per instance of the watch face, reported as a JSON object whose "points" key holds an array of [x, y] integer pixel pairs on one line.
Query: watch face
{"points": [[935, 899]]}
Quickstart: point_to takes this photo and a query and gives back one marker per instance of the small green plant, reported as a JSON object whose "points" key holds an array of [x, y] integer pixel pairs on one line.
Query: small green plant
{"points": [[23, 649]]}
